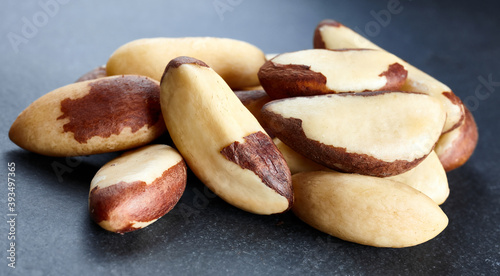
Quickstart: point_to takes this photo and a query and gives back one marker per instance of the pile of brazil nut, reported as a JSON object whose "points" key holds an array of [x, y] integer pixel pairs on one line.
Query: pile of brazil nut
{"points": [[352, 139]]}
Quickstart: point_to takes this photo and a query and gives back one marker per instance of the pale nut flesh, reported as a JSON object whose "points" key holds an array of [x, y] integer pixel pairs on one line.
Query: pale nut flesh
{"points": [[134, 190], [429, 177], [221, 141], [366, 210], [237, 62], [330, 34], [373, 133]]}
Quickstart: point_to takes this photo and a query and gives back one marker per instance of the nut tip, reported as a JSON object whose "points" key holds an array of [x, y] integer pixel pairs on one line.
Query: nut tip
{"points": [[178, 61]]}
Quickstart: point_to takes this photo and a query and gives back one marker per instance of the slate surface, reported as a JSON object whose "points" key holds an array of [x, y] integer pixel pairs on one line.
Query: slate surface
{"points": [[47, 44]]}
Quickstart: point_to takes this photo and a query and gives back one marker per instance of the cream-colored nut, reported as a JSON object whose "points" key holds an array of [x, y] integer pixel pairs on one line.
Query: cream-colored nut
{"points": [[330, 34], [237, 62], [320, 71], [428, 177], [136, 189], [366, 210], [90, 117], [374, 133], [456, 147], [96, 73], [221, 141], [254, 100], [297, 162]]}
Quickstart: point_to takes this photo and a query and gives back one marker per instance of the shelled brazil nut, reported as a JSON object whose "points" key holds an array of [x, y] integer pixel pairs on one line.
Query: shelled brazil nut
{"points": [[221, 141], [366, 210], [319, 71], [134, 190], [373, 133], [237, 62], [90, 117]]}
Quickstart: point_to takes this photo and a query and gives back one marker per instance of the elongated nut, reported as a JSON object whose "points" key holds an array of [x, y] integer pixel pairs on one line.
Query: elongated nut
{"points": [[319, 71], [237, 62], [366, 210], [429, 177], [96, 73], [222, 142], [456, 147], [102, 115], [330, 34], [373, 133], [134, 190]]}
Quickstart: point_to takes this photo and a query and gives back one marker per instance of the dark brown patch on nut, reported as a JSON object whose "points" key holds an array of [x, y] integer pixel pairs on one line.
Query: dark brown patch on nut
{"points": [[125, 203], [318, 42], [396, 76], [283, 81], [96, 73], [290, 131], [178, 61], [111, 105], [249, 96], [260, 155], [463, 146], [454, 99]]}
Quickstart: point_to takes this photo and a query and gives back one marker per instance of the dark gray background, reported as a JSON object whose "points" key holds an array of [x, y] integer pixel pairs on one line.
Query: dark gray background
{"points": [[458, 42]]}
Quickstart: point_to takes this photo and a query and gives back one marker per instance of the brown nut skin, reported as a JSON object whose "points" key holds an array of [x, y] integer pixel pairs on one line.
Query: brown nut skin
{"points": [[222, 142], [297, 162], [457, 146], [366, 210], [372, 141], [90, 117], [96, 73], [316, 72], [137, 188], [330, 34]]}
